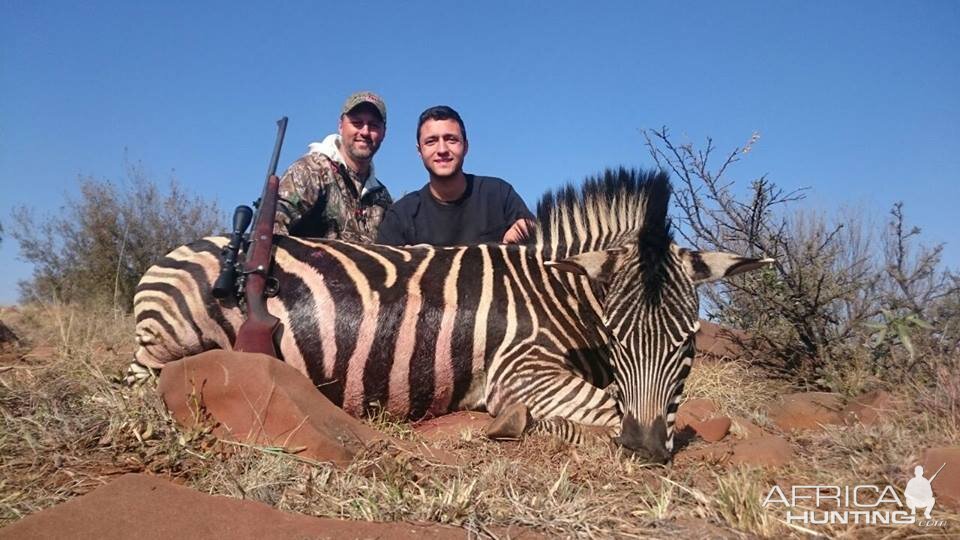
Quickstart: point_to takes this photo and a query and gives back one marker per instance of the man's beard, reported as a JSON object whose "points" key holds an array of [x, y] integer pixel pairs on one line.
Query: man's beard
{"points": [[360, 154]]}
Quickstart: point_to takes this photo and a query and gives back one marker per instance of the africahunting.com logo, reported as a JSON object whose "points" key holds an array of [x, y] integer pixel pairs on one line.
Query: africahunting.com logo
{"points": [[859, 505]]}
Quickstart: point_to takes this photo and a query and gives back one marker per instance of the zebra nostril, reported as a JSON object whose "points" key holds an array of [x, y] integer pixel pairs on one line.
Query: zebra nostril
{"points": [[631, 434], [647, 443]]}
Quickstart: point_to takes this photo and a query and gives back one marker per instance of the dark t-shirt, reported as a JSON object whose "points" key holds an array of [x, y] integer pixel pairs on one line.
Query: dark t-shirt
{"points": [[489, 206]]}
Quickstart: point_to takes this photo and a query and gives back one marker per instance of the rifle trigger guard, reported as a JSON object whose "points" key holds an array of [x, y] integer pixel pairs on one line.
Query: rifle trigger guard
{"points": [[272, 287]]}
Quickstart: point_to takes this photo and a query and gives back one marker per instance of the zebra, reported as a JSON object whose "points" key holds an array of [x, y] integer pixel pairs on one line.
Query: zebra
{"points": [[591, 323]]}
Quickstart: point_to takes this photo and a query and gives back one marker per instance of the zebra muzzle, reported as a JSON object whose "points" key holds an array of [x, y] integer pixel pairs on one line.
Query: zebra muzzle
{"points": [[648, 443]]}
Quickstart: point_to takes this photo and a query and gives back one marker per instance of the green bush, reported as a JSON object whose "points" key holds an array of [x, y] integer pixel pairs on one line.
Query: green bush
{"points": [[99, 244]]}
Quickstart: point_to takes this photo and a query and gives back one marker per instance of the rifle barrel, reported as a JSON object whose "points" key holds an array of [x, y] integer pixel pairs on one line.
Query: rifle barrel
{"points": [[281, 131], [938, 472]]}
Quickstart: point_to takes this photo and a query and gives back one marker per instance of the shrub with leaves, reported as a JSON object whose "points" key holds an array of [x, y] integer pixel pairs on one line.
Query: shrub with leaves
{"points": [[819, 309], [99, 244]]}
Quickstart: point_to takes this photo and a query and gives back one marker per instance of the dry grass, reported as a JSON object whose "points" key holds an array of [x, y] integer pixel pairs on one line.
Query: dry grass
{"points": [[68, 428], [736, 388]]}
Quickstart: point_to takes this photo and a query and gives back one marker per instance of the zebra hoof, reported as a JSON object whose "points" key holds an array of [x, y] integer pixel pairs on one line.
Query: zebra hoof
{"points": [[510, 423]]}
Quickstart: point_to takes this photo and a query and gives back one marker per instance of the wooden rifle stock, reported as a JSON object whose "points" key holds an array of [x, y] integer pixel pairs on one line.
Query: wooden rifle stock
{"points": [[258, 333]]}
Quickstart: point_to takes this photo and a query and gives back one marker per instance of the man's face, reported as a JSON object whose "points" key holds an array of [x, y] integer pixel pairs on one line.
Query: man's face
{"points": [[442, 147], [361, 132]]}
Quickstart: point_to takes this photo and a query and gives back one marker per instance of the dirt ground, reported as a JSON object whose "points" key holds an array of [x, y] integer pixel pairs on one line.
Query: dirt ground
{"points": [[69, 428]]}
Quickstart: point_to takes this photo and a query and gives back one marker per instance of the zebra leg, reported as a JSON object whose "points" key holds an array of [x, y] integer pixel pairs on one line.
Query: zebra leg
{"points": [[558, 403], [569, 431], [515, 420]]}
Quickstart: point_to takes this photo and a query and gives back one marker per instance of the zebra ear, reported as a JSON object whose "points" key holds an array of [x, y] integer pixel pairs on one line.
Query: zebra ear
{"points": [[706, 266], [596, 265]]}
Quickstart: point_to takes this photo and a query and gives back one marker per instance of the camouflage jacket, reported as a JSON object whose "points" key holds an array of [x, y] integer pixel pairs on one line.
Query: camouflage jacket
{"points": [[318, 198]]}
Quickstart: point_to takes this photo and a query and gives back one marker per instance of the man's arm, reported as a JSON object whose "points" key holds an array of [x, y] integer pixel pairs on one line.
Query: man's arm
{"points": [[516, 212], [391, 228], [300, 188], [519, 231]]}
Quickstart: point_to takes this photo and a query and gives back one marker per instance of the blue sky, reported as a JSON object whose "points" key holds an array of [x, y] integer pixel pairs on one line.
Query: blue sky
{"points": [[857, 100]]}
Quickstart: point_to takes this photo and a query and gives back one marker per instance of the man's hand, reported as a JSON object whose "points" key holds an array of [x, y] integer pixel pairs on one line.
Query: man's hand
{"points": [[519, 231]]}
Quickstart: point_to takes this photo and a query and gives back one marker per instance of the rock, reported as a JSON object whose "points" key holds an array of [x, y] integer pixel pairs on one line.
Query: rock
{"points": [[260, 400], [713, 453], [946, 486], [806, 410], [717, 341], [699, 416], [695, 410], [144, 507], [8, 338], [745, 429], [765, 451], [769, 451], [868, 408], [714, 429], [454, 426]]}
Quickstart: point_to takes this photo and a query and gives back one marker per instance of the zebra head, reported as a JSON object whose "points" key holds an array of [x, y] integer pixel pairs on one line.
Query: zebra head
{"points": [[649, 306]]}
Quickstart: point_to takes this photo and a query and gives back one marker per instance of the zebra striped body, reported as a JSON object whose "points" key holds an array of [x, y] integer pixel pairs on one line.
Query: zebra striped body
{"points": [[417, 330], [601, 296]]}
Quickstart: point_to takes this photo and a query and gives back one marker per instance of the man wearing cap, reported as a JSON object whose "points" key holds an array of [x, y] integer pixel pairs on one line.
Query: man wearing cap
{"points": [[332, 191], [454, 208]]}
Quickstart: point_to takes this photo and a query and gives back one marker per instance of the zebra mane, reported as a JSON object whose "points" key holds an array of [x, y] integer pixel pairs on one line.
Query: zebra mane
{"points": [[604, 210]]}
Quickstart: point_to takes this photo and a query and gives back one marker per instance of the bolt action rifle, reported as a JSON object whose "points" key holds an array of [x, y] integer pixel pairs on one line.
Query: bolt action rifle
{"points": [[259, 331]]}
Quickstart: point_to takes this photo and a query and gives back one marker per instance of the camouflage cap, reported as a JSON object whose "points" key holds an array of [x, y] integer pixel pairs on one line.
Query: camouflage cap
{"points": [[362, 97]]}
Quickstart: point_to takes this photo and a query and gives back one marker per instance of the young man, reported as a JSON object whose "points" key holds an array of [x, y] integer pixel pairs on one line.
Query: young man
{"points": [[332, 192], [454, 208]]}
